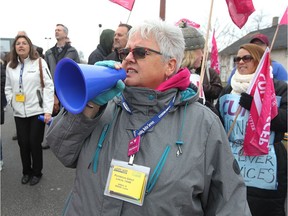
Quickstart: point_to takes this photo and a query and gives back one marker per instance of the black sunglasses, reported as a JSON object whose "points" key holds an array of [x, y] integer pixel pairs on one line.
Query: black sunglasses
{"points": [[246, 58], [138, 52]]}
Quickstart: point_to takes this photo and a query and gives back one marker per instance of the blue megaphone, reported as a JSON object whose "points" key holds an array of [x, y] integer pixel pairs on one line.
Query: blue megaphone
{"points": [[76, 84]]}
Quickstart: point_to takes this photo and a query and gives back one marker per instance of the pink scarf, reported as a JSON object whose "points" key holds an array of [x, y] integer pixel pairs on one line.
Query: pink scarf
{"points": [[180, 80]]}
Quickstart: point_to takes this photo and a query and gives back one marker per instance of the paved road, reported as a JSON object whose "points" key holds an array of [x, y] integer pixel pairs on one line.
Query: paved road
{"points": [[48, 197]]}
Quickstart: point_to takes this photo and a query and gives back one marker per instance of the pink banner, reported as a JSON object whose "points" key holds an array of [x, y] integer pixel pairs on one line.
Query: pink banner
{"points": [[214, 55], [284, 20], [240, 10], [188, 23], [263, 110], [128, 4]]}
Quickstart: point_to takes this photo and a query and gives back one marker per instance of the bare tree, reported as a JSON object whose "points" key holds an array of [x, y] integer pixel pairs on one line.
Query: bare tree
{"points": [[259, 21], [229, 33]]}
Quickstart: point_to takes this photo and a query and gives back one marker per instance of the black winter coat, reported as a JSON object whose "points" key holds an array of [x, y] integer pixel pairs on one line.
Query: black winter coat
{"points": [[3, 97]]}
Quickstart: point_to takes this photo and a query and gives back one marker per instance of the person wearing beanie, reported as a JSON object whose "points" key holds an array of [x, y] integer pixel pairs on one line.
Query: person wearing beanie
{"points": [[193, 39], [104, 48], [279, 72], [193, 55]]}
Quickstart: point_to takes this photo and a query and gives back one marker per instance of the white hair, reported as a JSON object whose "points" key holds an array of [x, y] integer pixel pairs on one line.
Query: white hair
{"points": [[168, 37]]}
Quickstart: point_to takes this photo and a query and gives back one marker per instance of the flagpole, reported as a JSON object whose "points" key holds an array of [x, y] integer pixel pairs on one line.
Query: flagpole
{"points": [[274, 37], [205, 49], [283, 21], [162, 13], [129, 17], [234, 121]]}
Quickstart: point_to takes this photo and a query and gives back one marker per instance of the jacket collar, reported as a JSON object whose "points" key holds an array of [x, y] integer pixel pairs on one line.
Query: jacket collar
{"points": [[180, 80]]}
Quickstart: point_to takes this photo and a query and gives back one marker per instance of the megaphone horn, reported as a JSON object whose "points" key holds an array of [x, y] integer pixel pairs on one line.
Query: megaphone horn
{"points": [[76, 84]]}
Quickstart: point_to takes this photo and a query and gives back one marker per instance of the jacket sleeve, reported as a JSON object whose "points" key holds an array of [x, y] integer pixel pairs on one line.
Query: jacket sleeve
{"points": [[48, 91], [67, 134], [279, 72], [8, 86], [95, 57], [3, 80], [75, 56], [279, 123], [226, 191], [48, 54], [212, 87]]}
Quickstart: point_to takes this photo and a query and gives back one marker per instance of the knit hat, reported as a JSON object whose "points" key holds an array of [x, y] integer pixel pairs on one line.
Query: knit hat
{"points": [[193, 39], [261, 37]]}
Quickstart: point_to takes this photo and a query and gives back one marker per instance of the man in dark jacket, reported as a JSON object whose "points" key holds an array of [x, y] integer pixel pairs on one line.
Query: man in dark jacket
{"points": [[120, 41], [104, 48], [61, 50]]}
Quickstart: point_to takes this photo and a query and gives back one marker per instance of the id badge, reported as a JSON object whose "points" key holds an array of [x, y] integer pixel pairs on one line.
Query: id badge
{"points": [[20, 97], [127, 182]]}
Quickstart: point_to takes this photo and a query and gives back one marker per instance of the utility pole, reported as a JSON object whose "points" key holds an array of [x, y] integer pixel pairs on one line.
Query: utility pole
{"points": [[162, 9], [100, 25]]}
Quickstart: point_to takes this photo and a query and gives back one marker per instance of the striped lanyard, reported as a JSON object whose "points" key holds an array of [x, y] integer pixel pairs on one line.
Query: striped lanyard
{"points": [[134, 145], [20, 78]]}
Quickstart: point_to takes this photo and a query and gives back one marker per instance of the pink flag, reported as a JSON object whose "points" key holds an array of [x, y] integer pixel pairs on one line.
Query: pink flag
{"points": [[240, 10], [187, 22], [128, 4], [263, 109], [214, 55], [284, 20]]}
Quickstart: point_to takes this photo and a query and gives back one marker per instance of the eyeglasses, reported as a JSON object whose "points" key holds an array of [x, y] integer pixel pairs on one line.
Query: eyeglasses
{"points": [[246, 58], [138, 52]]}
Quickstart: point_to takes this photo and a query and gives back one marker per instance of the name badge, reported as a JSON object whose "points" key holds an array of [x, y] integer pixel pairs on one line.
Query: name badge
{"points": [[126, 182], [20, 97]]}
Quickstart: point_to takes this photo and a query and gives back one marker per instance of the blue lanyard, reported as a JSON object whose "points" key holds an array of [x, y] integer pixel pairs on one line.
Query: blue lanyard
{"points": [[20, 78], [125, 105], [155, 120], [149, 124], [152, 122]]}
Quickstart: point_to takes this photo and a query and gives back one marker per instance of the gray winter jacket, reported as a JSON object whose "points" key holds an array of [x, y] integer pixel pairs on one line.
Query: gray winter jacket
{"points": [[52, 57], [203, 180]]}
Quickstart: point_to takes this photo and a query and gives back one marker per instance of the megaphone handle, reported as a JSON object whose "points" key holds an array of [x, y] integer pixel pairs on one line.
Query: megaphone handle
{"points": [[91, 110], [41, 118]]}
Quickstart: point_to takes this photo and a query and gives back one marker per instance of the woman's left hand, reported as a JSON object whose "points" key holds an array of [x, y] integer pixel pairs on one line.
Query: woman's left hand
{"points": [[47, 117]]}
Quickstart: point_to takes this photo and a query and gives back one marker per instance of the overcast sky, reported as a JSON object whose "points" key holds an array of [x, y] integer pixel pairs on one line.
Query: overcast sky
{"points": [[38, 18]]}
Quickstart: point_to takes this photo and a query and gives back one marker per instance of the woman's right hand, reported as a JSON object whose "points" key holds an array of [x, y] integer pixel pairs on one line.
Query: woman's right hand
{"points": [[110, 64]]}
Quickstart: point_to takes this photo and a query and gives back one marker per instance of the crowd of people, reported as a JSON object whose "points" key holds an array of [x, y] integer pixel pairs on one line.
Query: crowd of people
{"points": [[152, 144]]}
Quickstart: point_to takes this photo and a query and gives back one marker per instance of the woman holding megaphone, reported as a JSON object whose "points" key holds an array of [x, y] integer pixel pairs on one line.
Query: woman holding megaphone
{"points": [[146, 147]]}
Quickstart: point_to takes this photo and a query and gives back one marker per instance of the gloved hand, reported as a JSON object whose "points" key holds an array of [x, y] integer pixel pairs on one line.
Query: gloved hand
{"points": [[246, 100], [108, 95], [109, 63]]}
